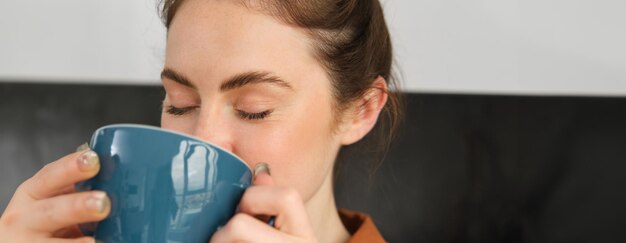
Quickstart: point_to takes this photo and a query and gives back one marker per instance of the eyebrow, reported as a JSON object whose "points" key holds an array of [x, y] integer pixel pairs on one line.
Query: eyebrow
{"points": [[176, 77], [234, 82]]}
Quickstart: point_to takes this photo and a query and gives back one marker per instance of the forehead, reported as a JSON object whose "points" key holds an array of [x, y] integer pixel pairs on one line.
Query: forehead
{"points": [[217, 39]]}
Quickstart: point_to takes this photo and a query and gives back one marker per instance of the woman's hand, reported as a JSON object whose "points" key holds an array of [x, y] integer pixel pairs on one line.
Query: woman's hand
{"points": [[261, 200], [46, 208]]}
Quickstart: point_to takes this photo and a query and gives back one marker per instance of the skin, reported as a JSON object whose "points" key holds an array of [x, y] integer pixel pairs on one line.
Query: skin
{"points": [[286, 121]]}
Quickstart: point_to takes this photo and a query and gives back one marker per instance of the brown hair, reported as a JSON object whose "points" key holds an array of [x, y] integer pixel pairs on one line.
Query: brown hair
{"points": [[350, 39]]}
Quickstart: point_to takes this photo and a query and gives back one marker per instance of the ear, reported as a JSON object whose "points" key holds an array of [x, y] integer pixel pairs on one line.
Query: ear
{"points": [[363, 115]]}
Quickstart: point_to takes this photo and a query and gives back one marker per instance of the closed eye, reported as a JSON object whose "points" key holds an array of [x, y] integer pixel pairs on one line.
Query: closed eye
{"points": [[180, 111], [176, 111], [253, 116]]}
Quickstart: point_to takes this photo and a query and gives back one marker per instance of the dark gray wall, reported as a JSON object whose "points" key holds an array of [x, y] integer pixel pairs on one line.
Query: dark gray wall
{"points": [[465, 168]]}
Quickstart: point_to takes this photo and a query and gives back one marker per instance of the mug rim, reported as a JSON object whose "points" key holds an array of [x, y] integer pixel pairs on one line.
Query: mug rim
{"points": [[155, 128]]}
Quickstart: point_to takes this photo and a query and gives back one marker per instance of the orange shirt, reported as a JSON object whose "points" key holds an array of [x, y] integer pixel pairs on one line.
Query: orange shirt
{"points": [[361, 227]]}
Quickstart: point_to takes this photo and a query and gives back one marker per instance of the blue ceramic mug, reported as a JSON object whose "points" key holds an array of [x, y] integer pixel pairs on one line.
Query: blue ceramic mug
{"points": [[164, 186]]}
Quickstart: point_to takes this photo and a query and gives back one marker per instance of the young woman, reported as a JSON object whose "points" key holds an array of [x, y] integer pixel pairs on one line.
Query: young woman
{"points": [[283, 82]]}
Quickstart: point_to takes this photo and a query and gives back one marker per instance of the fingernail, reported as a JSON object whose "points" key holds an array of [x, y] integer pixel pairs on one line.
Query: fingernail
{"points": [[82, 147], [98, 202], [88, 161], [260, 168]]}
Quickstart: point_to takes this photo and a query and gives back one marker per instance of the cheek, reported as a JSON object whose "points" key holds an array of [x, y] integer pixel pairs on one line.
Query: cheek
{"points": [[300, 149]]}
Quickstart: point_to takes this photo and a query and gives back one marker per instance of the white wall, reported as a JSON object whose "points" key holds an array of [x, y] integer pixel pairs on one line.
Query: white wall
{"points": [[571, 47], [511, 46], [110, 41]]}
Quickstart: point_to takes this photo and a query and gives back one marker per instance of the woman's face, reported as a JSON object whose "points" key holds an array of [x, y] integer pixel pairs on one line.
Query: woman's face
{"points": [[250, 84]]}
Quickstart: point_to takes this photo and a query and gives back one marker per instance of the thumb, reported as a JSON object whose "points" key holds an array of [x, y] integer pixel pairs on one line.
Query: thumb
{"points": [[262, 175]]}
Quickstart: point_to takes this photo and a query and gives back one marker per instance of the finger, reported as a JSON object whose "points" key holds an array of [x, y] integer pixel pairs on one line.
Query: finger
{"points": [[52, 214], [262, 174], [245, 228], [68, 232], [66, 190], [55, 178], [263, 179], [285, 204]]}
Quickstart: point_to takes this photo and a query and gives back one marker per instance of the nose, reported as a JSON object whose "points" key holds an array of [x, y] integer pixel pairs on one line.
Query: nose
{"points": [[215, 130]]}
